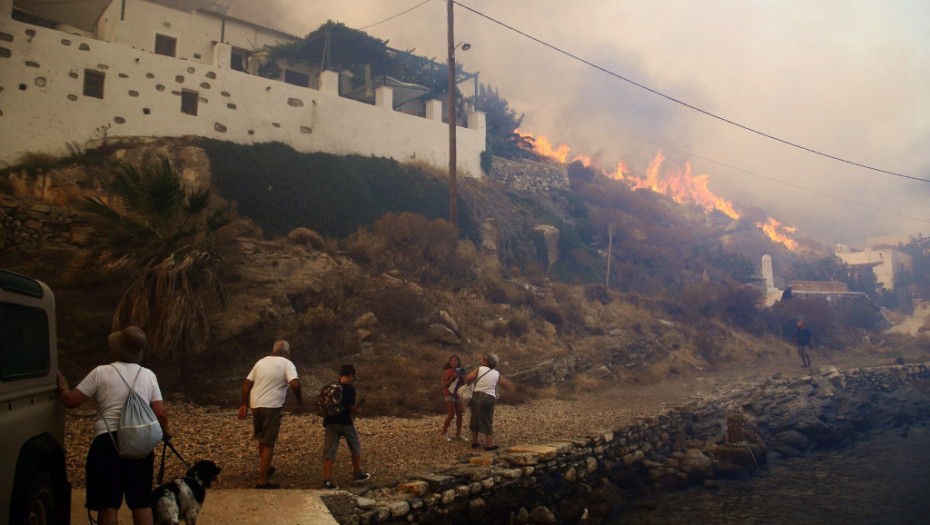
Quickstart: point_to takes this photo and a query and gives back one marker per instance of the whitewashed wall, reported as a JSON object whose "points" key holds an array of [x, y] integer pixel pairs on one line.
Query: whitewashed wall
{"points": [[42, 106], [887, 263]]}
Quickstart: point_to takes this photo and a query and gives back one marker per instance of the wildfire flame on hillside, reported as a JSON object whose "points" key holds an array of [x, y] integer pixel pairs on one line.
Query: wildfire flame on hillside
{"points": [[543, 147], [681, 186], [771, 227], [678, 184]]}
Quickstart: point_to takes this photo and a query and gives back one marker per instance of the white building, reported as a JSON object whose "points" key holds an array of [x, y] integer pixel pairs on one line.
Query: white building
{"points": [[75, 71], [885, 263]]}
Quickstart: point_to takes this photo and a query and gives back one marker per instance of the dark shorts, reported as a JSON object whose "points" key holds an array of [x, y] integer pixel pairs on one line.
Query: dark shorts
{"points": [[108, 477], [334, 431], [482, 413], [266, 422]]}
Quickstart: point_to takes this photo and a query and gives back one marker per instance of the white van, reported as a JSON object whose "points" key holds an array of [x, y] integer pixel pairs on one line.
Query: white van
{"points": [[34, 485]]}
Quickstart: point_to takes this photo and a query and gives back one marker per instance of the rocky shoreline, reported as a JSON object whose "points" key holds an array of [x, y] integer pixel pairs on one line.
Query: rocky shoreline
{"points": [[590, 478]]}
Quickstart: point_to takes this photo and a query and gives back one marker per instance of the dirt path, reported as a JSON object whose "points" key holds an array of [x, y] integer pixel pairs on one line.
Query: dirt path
{"points": [[393, 448]]}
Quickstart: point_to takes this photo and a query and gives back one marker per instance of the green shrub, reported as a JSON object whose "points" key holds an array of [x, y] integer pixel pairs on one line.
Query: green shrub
{"points": [[487, 161], [427, 251], [517, 327], [597, 292], [553, 314], [306, 237], [364, 248], [400, 307], [333, 195], [318, 318]]}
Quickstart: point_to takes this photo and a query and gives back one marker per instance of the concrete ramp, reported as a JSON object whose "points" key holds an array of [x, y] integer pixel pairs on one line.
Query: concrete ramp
{"points": [[910, 325], [242, 507]]}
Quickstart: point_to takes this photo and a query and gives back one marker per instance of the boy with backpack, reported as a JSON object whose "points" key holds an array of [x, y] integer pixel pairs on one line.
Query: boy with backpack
{"points": [[336, 404]]}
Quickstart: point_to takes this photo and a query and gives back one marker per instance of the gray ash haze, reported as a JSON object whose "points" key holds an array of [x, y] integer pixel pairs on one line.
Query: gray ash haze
{"points": [[850, 78]]}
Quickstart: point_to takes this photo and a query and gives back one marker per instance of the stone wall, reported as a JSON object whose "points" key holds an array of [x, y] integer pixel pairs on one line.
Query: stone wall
{"points": [[31, 223], [595, 475], [534, 177]]}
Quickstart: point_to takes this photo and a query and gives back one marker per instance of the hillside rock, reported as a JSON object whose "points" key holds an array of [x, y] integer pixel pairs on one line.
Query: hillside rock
{"points": [[443, 334], [271, 282]]}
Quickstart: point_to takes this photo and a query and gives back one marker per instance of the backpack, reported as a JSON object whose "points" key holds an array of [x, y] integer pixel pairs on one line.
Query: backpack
{"points": [[139, 431], [329, 402]]}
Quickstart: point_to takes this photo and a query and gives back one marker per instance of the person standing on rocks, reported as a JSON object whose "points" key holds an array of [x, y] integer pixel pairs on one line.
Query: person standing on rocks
{"points": [[265, 390], [452, 379], [804, 340], [486, 379], [339, 426]]}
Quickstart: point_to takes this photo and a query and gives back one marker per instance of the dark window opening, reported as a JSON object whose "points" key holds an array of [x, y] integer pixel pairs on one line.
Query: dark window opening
{"points": [[298, 79], [93, 83], [239, 60], [166, 45], [25, 344], [189, 102]]}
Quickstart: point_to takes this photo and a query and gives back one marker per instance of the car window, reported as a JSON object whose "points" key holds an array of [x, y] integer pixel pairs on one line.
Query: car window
{"points": [[24, 344]]}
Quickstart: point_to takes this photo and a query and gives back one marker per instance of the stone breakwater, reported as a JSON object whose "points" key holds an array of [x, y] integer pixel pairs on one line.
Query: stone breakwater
{"points": [[731, 433]]}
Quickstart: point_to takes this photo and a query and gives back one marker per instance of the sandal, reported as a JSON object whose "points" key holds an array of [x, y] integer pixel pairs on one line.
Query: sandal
{"points": [[492, 447], [267, 486], [475, 445]]}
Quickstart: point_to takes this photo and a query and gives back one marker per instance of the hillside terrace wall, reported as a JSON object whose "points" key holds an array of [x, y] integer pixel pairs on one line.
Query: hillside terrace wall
{"points": [[534, 177], [30, 223], [784, 417], [43, 106]]}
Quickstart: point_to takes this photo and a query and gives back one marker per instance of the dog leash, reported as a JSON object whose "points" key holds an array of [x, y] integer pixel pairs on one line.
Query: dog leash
{"points": [[164, 450], [161, 474]]}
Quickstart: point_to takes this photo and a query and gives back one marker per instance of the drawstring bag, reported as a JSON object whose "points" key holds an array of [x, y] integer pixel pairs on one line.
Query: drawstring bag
{"points": [[139, 430]]}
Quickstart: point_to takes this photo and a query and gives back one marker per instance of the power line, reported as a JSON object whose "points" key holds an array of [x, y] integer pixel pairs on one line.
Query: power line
{"points": [[395, 16], [685, 104]]}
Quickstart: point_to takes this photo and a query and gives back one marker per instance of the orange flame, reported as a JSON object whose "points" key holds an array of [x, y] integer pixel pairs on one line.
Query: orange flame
{"points": [[771, 227], [543, 147], [681, 186]]}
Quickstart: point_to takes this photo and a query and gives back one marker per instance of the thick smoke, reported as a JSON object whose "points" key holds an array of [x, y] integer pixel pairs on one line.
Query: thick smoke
{"points": [[807, 74]]}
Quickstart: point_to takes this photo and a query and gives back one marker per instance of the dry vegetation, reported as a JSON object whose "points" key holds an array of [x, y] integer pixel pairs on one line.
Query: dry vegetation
{"points": [[556, 339]]}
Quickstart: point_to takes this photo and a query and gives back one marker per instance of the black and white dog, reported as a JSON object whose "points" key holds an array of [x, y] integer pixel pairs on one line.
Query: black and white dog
{"points": [[182, 498]]}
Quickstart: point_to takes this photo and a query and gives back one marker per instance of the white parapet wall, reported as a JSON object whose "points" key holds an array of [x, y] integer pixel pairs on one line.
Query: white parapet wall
{"points": [[43, 105]]}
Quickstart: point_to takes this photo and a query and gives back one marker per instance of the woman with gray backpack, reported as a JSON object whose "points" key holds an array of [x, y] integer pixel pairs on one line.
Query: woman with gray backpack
{"points": [[486, 381], [112, 469]]}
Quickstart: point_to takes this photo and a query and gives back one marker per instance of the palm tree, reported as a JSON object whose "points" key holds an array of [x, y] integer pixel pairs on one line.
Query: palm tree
{"points": [[152, 223]]}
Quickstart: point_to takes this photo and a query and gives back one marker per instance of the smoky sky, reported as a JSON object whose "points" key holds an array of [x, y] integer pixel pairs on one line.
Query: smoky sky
{"points": [[845, 77]]}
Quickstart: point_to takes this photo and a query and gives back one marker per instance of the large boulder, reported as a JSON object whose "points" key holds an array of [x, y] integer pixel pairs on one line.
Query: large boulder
{"points": [[696, 465], [443, 334]]}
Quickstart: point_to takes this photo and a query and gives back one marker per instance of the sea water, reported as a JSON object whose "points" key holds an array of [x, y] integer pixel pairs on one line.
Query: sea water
{"points": [[885, 480]]}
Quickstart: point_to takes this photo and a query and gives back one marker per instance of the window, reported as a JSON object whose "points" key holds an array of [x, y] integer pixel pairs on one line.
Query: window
{"points": [[166, 45], [24, 345], [298, 79], [189, 102], [93, 83], [240, 59]]}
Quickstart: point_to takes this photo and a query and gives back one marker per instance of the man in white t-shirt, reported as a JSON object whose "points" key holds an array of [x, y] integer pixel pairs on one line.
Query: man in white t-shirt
{"points": [[264, 390]]}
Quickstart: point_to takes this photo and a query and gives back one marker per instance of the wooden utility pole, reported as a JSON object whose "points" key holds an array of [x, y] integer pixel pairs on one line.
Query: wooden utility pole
{"points": [[453, 198], [610, 244]]}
